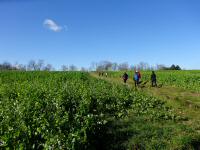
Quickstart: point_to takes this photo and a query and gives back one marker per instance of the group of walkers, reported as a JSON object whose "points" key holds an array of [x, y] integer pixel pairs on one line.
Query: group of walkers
{"points": [[103, 74], [137, 78]]}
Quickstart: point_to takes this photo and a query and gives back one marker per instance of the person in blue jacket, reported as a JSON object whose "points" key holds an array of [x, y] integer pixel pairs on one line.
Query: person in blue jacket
{"points": [[136, 78]]}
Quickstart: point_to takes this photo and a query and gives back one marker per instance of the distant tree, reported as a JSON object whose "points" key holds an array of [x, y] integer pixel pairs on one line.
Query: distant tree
{"points": [[40, 64], [146, 66], [123, 66], [35, 66], [32, 65], [161, 67], [104, 65], [114, 66], [72, 68], [21, 67], [178, 67], [141, 66], [100, 68], [64, 68], [48, 67], [107, 65], [83, 69], [7, 66], [16, 66], [173, 67]]}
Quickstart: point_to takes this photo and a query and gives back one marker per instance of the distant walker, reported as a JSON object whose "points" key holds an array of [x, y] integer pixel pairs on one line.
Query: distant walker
{"points": [[136, 78], [125, 77], [153, 79]]}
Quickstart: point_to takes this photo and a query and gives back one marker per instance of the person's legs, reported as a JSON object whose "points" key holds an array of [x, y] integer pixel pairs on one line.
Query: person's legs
{"points": [[138, 82], [155, 83], [135, 83], [124, 80]]}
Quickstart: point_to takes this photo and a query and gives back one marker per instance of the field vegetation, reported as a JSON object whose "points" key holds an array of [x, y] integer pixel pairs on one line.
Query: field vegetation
{"points": [[75, 110]]}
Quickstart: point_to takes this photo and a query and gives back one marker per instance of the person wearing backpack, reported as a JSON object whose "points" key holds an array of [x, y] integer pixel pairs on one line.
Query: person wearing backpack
{"points": [[136, 78], [139, 75]]}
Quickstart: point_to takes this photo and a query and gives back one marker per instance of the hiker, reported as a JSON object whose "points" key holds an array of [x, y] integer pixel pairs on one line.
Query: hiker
{"points": [[153, 79], [139, 76], [125, 77], [106, 74], [136, 78]]}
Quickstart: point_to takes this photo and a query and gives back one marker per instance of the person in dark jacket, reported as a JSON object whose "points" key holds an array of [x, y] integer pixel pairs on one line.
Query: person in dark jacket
{"points": [[153, 79], [125, 77]]}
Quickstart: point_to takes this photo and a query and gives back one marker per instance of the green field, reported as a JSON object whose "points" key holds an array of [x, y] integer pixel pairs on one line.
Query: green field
{"points": [[74, 110]]}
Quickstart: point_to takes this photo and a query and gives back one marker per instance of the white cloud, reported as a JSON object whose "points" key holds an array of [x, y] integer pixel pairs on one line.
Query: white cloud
{"points": [[51, 25]]}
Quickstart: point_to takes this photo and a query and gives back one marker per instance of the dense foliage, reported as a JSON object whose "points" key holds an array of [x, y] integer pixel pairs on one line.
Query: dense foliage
{"points": [[58, 110]]}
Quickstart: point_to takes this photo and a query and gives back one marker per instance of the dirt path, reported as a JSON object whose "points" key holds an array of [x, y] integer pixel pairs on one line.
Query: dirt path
{"points": [[184, 102]]}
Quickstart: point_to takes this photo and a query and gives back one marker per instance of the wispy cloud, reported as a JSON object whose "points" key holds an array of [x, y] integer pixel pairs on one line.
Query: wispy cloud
{"points": [[52, 25]]}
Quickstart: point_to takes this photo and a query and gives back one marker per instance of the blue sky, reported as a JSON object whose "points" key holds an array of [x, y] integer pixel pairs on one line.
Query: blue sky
{"points": [[83, 31]]}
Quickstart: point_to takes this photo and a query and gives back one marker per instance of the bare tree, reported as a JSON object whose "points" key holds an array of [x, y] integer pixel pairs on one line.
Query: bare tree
{"points": [[64, 68], [160, 67], [143, 66], [16, 66], [104, 65], [31, 65], [83, 69], [114, 66], [6, 66], [72, 68], [48, 67], [123, 66], [108, 65], [21, 67], [99, 68], [140, 66], [40, 64], [36, 66]]}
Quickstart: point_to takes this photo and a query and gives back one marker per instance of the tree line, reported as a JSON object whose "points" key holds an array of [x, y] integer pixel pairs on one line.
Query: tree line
{"points": [[107, 65], [40, 65]]}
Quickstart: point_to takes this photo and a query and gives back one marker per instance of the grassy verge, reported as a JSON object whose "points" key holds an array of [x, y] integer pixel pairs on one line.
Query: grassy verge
{"points": [[143, 132]]}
